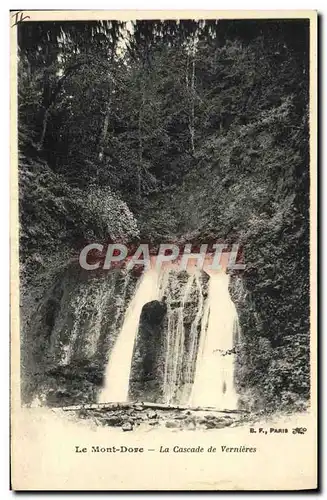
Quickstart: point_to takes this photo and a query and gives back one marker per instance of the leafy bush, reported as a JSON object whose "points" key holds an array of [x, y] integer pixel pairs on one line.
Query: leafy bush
{"points": [[56, 215]]}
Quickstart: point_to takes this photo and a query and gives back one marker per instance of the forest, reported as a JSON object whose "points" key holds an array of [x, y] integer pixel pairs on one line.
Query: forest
{"points": [[177, 131]]}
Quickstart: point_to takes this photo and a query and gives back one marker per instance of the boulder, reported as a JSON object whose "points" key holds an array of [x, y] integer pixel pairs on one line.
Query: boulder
{"points": [[127, 426]]}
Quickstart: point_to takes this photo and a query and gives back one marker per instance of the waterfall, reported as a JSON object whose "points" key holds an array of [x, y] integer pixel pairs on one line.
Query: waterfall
{"points": [[121, 300], [214, 376], [118, 369], [192, 353], [97, 316], [175, 342], [200, 334]]}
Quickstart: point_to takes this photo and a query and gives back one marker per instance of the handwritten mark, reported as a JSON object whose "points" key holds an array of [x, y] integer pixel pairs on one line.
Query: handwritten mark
{"points": [[19, 17], [299, 430]]}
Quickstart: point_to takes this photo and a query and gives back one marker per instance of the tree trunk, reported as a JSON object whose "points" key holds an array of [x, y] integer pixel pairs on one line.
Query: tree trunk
{"points": [[108, 110], [105, 127], [44, 128], [140, 149], [50, 96], [192, 114], [187, 70]]}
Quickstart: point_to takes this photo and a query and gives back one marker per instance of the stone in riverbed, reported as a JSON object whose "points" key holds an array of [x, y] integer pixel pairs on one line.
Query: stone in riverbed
{"points": [[127, 426], [139, 407], [182, 416], [114, 421], [216, 424], [151, 414], [171, 424]]}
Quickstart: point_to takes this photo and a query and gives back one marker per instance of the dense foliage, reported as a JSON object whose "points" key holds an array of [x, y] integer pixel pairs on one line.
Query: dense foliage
{"points": [[179, 131]]}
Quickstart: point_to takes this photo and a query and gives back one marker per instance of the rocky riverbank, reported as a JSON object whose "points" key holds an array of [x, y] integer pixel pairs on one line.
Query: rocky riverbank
{"points": [[134, 416]]}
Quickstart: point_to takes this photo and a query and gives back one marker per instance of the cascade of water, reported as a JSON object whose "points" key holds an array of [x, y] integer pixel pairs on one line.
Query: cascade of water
{"points": [[121, 300], [192, 353], [175, 342], [214, 375], [99, 308], [118, 369], [206, 358]]}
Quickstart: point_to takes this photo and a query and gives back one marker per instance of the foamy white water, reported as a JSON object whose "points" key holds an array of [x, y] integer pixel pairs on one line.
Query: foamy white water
{"points": [[192, 355], [214, 368], [175, 342], [214, 375], [119, 366]]}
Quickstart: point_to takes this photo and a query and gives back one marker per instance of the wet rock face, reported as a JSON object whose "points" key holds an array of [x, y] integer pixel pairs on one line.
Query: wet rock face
{"points": [[153, 313], [186, 299], [273, 336], [147, 371], [70, 334]]}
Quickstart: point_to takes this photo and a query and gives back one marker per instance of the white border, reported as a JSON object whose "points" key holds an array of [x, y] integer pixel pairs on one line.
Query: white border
{"points": [[4, 196]]}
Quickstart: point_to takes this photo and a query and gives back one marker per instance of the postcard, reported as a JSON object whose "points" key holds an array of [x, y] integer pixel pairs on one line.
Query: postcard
{"points": [[163, 250]]}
